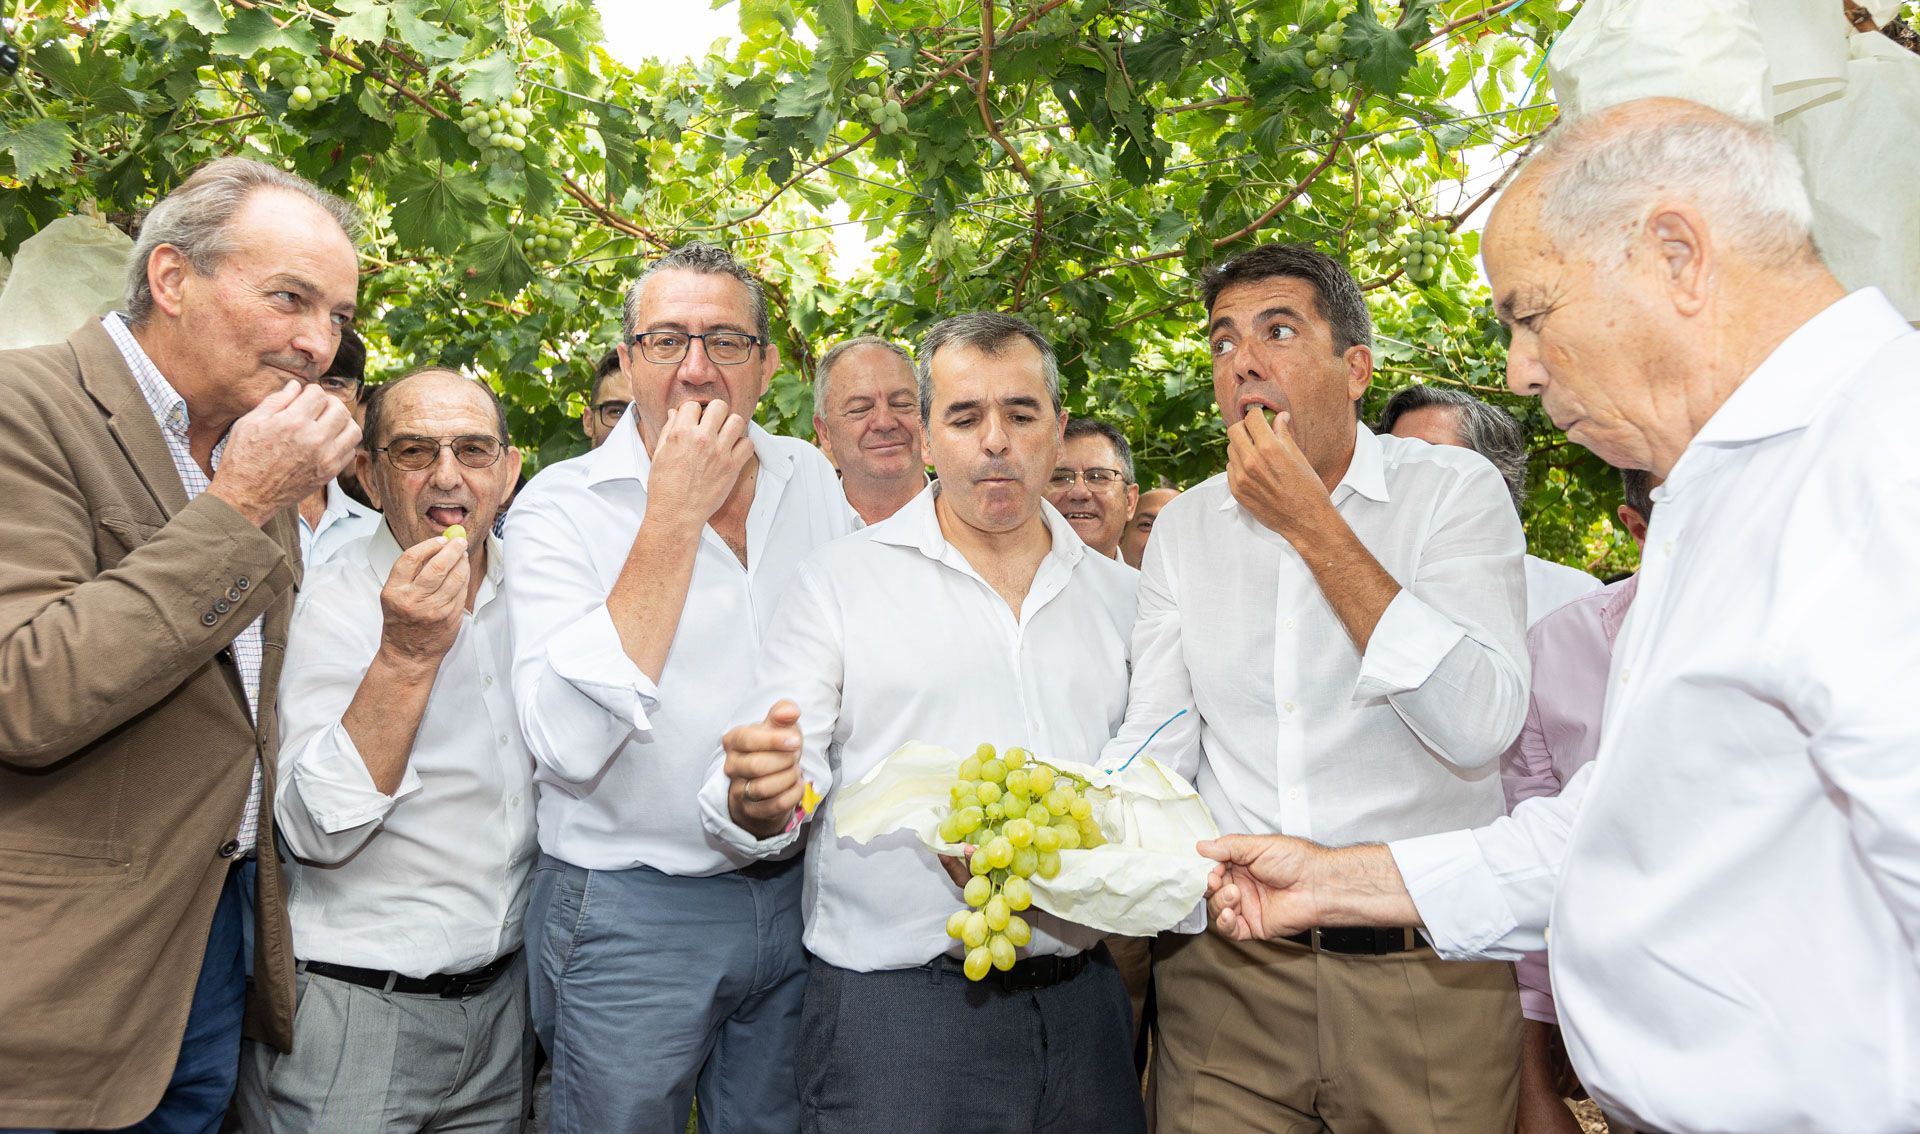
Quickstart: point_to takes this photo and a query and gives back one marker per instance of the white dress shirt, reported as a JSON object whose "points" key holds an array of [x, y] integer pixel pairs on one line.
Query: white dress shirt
{"points": [[892, 636], [1551, 586], [433, 878], [1736, 926], [1296, 732], [620, 759], [344, 521]]}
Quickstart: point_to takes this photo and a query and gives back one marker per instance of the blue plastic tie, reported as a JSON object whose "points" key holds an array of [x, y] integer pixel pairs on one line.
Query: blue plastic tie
{"points": [[1149, 740]]}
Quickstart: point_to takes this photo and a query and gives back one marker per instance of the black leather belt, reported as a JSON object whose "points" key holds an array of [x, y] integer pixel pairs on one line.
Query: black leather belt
{"points": [[765, 870], [1026, 975], [448, 986], [1365, 941]]}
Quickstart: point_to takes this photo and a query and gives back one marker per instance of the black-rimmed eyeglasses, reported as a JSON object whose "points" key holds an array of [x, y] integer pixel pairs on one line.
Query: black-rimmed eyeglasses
{"points": [[724, 348], [610, 413]]}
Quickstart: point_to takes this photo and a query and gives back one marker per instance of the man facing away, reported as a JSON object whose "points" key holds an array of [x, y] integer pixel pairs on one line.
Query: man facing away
{"points": [[664, 963], [146, 580], [1018, 637], [407, 796], [1339, 616], [1733, 883], [866, 414]]}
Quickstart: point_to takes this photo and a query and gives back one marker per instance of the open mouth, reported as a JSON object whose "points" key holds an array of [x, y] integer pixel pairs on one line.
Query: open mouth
{"points": [[1082, 517], [447, 515], [1248, 401]]}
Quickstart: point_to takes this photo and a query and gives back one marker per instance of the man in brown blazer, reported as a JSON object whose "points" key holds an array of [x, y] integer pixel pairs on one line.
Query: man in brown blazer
{"points": [[147, 572]]}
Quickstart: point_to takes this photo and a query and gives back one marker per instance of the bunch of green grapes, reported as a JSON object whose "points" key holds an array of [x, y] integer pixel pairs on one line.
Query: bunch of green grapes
{"points": [[551, 239], [1423, 252], [887, 115], [1332, 70], [307, 86], [500, 125], [1020, 815], [1375, 216]]}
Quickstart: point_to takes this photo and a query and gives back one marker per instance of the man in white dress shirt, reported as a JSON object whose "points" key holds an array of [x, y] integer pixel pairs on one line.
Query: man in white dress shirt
{"points": [[1093, 485], [1340, 614], [406, 797], [665, 963], [973, 614], [866, 416], [1733, 883], [1443, 415], [330, 519]]}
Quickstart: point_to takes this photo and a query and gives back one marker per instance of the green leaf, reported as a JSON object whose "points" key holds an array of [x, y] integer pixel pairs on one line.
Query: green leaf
{"points": [[436, 207], [39, 146], [490, 79], [203, 15], [251, 32], [434, 43], [843, 34], [93, 77], [496, 263], [364, 21]]}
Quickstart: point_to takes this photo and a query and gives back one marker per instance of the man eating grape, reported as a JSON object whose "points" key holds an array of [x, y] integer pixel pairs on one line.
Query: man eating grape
{"points": [[973, 614]]}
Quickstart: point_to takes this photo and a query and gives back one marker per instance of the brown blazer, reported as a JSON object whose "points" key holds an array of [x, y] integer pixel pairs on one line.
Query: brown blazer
{"points": [[126, 748]]}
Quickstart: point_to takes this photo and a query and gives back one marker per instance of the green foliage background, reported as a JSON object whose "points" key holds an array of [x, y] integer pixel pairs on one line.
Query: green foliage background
{"points": [[1076, 161]]}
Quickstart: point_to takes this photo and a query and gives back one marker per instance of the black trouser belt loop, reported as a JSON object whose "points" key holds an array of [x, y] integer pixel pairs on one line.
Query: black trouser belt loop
{"points": [[1027, 974], [449, 986], [1360, 940]]}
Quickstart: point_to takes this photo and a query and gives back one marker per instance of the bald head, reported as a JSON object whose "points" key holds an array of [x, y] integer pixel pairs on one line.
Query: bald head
{"points": [[459, 422]]}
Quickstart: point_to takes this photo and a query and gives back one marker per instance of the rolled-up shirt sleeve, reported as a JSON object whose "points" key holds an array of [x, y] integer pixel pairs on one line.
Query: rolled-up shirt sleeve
{"points": [[1448, 653], [803, 660], [578, 695], [326, 803], [1487, 894]]}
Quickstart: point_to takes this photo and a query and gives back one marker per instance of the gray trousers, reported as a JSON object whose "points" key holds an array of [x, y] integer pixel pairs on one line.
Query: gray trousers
{"points": [[365, 1061], [925, 1051]]}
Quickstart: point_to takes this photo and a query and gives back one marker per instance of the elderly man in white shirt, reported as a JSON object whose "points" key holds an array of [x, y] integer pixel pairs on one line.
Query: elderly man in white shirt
{"points": [[973, 614], [1341, 615], [406, 797], [644, 576], [1733, 884]]}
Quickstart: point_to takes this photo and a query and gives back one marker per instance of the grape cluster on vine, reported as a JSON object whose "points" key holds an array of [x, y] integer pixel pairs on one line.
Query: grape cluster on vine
{"points": [[883, 110], [1332, 70], [500, 125], [1375, 216], [551, 239], [308, 86], [1424, 251], [1020, 814]]}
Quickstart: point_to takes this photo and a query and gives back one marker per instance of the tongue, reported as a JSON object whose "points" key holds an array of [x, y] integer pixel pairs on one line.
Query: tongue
{"points": [[445, 516]]}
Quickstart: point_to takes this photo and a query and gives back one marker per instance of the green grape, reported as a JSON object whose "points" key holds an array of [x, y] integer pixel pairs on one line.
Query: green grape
{"points": [[961, 794], [978, 863], [993, 771], [995, 813], [970, 768], [1315, 57], [1026, 860], [979, 889], [1039, 779], [969, 819], [1049, 864], [974, 930], [1056, 802], [949, 830], [957, 923], [1069, 836], [1018, 893], [1328, 40], [983, 753], [979, 960], [999, 852], [1000, 951], [1045, 838], [1091, 840], [1019, 832], [988, 792], [1016, 802], [1038, 815], [1016, 757], [996, 912], [1323, 78], [1016, 781], [1018, 931], [1080, 808], [1338, 82]]}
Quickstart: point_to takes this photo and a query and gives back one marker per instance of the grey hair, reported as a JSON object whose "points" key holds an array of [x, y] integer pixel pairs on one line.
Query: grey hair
{"points": [[707, 259], [1485, 428], [1094, 427], [988, 332], [1599, 176], [822, 373], [197, 218]]}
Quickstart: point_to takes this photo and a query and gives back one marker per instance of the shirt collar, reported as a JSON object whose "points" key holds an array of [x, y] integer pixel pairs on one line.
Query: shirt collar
{"points": [[383, 551], [1366, 472], [1614, 610], [917, 525], [1790, 385], [624, 457], [341, 506], [168, 404]]}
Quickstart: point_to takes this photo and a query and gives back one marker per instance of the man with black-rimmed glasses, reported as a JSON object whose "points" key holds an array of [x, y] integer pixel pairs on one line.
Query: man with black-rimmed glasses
{"points": [[665, 964], [607, 400]]}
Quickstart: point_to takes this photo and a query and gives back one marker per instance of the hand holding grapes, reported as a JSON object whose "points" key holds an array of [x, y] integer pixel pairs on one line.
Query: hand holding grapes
{"points": [[763, 765]]}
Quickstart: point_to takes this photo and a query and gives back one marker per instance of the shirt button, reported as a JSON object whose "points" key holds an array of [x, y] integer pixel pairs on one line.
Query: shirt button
{"points": [[1293, 795], [1288, 624], [209, 619], [1669, 548], [487, 681], [503, 738], [513, 801], [1626, 671], [1288, 706]]}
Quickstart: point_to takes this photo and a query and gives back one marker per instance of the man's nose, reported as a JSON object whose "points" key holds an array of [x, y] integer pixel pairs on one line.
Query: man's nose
{"points": [[1525, 376]]}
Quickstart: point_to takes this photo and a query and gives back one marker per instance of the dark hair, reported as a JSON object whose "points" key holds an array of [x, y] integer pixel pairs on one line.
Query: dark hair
{"points": [[987, 331], [707, 259], [607, 367], [1638, 484], [350, 360], [1485, 428], [377, 397], [1094, 427], [1337, 297]]}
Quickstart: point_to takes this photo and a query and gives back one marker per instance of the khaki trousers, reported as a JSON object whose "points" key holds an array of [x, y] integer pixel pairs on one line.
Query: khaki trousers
{"points": [[1276, 1038]]}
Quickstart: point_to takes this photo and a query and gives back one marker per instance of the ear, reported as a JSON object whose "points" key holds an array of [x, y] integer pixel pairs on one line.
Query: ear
{"points": [[1634, 522], [821, 439], [1060, 431], [769, 365], [512, 460], [369, 481], [1133, 500], [167, 271], [586, 422], [1359, 360], [625, 351], [1684, 263]]}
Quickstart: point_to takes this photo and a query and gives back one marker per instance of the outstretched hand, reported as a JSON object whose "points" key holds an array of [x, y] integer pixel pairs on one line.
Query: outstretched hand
{"points": [[1261, 890]]}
